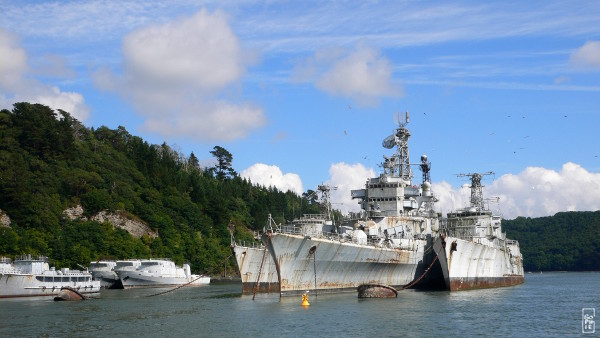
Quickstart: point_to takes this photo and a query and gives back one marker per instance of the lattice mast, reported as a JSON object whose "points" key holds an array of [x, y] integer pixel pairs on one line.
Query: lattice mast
{"points": [[477, 200], [399, 164], [325, 197]]}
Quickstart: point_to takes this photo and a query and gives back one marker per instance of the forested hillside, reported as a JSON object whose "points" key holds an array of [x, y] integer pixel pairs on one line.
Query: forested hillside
{"points": [[567, 241], [50, 162]]}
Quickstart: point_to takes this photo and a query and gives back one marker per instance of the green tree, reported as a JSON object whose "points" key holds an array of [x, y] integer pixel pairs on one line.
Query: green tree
{"points": [[224, 162], [193, 162]]}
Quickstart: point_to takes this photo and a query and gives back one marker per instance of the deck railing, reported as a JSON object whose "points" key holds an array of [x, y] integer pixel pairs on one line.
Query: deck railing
{"points": [[379, 243]]}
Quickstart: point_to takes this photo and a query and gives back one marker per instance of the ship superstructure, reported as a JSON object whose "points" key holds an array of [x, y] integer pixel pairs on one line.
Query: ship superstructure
{"points": [[390, 244], [30, 276], [472, 249]]}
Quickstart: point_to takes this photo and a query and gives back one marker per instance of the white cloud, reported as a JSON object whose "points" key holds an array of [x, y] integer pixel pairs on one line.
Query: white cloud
{"points": [[173, 73], [587, 56], [347, 177], [362, 74], [271, 175], [14, 61], [212, 121], [450, 199], [201, 51], [18, 85], [539, 192], [70, 102]]}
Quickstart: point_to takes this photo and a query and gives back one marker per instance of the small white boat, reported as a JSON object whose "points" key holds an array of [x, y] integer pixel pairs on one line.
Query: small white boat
{"points": [[31, 276], [160, 273], [103, 271], [124, 265]]}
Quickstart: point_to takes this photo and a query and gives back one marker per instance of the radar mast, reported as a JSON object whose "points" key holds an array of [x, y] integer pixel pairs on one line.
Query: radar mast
{"points": [[477, 200], [399, 164]]}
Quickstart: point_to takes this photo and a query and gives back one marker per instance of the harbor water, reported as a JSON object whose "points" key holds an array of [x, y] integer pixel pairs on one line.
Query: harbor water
{"points": [[548, 304]]}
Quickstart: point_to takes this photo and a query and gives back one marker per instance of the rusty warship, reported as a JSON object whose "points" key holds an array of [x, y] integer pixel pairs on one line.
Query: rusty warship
{"points": [[256, 265], [391, 242], [472, 250]]}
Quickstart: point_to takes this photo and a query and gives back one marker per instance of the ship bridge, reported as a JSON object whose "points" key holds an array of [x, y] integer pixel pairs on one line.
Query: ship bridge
{"points": [[393, 194]]}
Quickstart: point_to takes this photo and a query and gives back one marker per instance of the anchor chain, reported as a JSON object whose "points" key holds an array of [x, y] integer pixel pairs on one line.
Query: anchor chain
{"points": [[421, 277]]}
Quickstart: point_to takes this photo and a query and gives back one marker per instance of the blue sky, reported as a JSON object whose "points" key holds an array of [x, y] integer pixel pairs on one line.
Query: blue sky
{"points": [[303, 93]]}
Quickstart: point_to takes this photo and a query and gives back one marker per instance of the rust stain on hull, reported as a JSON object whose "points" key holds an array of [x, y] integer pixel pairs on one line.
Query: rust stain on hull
{"points": [[466, 283], [249, 261], [248, 287]]}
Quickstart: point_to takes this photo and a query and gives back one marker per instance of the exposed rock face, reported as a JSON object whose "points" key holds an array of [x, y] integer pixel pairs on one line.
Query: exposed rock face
{"points": [[4, 219], [117, 219], [135, 228], [74, 213]]}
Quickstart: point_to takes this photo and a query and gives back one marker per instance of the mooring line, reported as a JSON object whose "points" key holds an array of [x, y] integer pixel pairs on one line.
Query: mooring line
{"points": [[256, 285], [421, 277]]}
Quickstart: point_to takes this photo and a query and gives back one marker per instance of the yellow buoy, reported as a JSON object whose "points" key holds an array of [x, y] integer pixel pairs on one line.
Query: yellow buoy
{"points": [[305, 300]]}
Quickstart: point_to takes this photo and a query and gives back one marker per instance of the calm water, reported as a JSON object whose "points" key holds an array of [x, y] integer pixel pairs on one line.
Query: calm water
{"points": [[546, 305]]}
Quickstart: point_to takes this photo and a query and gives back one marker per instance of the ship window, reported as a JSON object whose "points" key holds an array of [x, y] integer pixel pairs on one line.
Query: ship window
{"points": [[48, 279], [39, 278]]}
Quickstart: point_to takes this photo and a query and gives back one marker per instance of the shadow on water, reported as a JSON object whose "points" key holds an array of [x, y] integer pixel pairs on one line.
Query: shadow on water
{"points": [[226, 295]]}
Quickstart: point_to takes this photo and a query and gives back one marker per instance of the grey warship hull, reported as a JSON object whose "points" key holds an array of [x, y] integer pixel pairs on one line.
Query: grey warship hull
{"points": [[257, 268], [467, 265], [327, 265]]}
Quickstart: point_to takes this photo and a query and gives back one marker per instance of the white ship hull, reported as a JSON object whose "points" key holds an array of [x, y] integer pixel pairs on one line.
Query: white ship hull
{"points": [[330, 265], [136, 279], [469, 265], [257, 267], [30, 285]]}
